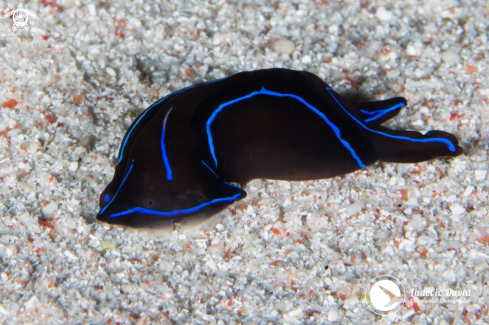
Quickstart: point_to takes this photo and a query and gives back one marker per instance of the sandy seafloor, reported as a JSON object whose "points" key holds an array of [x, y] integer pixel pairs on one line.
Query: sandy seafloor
{"points": [[81, 74]]}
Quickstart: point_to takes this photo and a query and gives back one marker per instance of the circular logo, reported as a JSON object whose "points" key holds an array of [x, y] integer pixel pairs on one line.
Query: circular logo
{"points": [[384, 295], [20, 18]]}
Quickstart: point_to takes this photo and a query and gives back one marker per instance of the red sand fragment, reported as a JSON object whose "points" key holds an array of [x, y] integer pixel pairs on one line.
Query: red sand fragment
{"points": [[11, 103], [120, 34], [470, 68], [276, 231], [438, 169], [50, 118], [484, 239], [404, 194], [418, 170], [455, 115], [56, 6], [165, 314], [422, 251], [276, 262], [77, 98], [354, 83], [416, 307]]}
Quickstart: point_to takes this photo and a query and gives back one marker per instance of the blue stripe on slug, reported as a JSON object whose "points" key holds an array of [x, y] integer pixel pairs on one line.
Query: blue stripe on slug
{"points": [[209, 168], [128, 172], [218, 176], [263, 91], [175, 212], [167, 97], [139, 120], [378, 114], [450, 145], [163, 149]]}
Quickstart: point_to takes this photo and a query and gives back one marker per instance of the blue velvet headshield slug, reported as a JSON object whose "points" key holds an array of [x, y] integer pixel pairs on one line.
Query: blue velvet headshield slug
{"points": [[179, 157]]}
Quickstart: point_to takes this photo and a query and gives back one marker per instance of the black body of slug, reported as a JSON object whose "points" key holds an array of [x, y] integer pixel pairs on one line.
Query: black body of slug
{"points": [[179, 155]]}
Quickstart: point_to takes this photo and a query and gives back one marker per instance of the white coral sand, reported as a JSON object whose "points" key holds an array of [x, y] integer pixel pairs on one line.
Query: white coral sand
{"points": [[291, 252]]}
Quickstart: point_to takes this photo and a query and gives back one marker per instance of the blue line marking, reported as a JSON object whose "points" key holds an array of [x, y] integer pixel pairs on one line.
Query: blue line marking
{"points": [[175, 212], [128, 172], [154, 105], [219, 177], [163, 149], [263, 91], [139, 120], [381, 112], [209, 168], [450, 145]]}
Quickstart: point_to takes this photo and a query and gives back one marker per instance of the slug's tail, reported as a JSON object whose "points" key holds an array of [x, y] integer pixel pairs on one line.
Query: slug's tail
{"points": [[404, 146], [399, 146], [379, 112], [412, 146]]}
